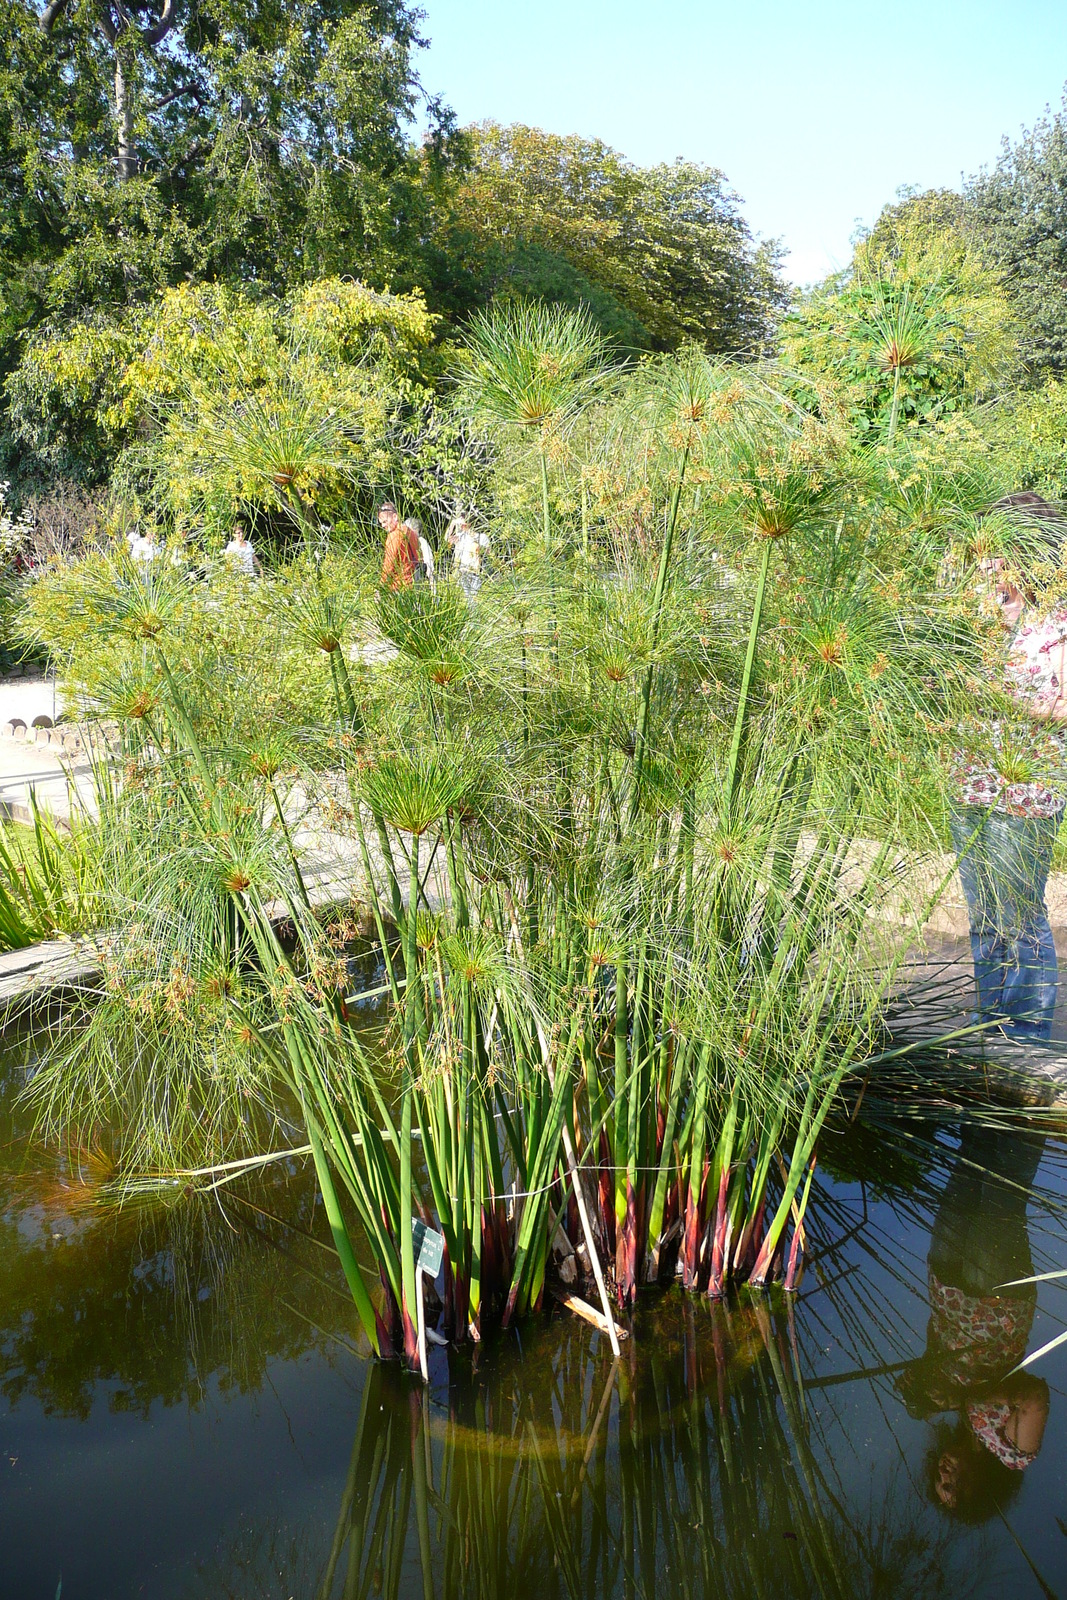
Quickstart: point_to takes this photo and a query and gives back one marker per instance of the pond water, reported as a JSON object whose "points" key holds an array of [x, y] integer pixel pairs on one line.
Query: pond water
{"points": [[186, 1414]]}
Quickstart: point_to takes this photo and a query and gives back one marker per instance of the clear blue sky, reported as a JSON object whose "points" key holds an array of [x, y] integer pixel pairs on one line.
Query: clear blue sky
{"points": [[816, 112]]}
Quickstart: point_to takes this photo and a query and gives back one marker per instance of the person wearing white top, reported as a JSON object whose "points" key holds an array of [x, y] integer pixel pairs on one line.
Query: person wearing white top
{"points": [[467, 546], [425, 553], [143, 546], [240, 554]]}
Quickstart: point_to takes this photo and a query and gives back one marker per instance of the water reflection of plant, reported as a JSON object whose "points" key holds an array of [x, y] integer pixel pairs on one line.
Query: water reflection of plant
{"points": [[700, 1476]]}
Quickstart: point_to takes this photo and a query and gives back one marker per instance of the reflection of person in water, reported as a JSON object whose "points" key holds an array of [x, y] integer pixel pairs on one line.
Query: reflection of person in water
{"points": [[978, 1330]]}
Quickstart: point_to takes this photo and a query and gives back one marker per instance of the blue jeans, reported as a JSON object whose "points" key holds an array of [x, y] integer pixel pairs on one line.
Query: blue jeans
{"points": [[1004, 868]]}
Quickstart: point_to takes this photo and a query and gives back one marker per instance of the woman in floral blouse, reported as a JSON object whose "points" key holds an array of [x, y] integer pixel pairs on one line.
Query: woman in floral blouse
{"points": [[1011, 800]]}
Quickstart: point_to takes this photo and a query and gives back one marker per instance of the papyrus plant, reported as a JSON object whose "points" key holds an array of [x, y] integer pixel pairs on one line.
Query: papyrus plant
{"points": [[634, 839]]}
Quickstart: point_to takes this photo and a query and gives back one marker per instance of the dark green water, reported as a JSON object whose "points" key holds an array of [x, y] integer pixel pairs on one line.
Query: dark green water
{"points": [[183, 1415]]}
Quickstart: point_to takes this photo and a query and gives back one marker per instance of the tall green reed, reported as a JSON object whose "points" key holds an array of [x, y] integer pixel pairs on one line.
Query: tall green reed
{"points": [[632, 832]]}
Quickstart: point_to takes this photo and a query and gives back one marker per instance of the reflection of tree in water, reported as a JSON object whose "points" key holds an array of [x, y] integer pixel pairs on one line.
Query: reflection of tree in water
{"points": [[978, 1328], [694, 1467], [149, 1302], [264, 1563]]}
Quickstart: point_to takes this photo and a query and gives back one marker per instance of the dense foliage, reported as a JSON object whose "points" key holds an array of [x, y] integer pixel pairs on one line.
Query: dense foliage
{"points": [[115, 398], [933, 321], [260, 147], [1011, 218], [259, 144], [658, 254], [637, 832], [916, 327], [644, 829], [1017, 214], [255, 151]]}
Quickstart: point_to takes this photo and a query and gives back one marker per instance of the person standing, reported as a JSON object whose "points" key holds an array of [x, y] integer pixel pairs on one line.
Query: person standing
{"points": [[426, 569], [1010, 804], [467, 547], [240, 554], [401, 549], [143, 547]]}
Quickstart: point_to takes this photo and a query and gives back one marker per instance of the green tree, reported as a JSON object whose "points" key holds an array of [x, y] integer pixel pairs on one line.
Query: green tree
{"points": [[1017, 211], [256, 144], [1032, 429], [269, 140], [665, 248], [321, 375], [917, 326]]}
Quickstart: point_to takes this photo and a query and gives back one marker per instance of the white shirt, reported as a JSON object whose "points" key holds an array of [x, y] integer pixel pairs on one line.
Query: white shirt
{"points": [[467, 550], [242, 556], [142, 549], [427, 558]]}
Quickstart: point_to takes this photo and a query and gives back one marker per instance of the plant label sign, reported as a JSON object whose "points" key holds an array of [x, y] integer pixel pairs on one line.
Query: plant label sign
{"points": [[429, 1248]]}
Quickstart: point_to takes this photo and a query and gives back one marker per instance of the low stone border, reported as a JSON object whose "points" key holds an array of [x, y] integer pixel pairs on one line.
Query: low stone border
{"points": [[55, 964], [43, 731]]}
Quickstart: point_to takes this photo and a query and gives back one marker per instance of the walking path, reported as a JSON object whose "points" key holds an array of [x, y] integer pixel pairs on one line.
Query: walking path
{"points": [[48, 761]]}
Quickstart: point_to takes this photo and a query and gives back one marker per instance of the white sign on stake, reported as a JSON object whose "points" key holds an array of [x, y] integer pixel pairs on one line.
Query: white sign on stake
{"points": [[429, 1247], [429, 1254]]}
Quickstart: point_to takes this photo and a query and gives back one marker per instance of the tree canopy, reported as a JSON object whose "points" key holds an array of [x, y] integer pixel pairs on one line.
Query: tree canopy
{"points": [[916, 326], [256, 144], [207, 400], [1017, 211], [658, 254], [253, 150]]}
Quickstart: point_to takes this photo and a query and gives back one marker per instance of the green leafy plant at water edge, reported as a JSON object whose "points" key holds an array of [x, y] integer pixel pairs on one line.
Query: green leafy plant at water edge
{"points": [[48, 880], [629, 833]]}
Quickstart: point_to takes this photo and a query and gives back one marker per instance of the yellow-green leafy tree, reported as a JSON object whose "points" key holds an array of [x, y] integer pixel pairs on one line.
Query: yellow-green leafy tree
{"points": [[916, 327], [205, 399], [659, 255]]}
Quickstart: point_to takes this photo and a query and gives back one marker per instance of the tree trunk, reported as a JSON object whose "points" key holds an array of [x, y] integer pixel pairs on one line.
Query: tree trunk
{"points": [[113, 21], [126, 155]]}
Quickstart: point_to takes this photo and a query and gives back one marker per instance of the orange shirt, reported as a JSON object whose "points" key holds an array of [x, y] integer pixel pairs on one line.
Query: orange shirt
{"points": [[401, 555]]}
